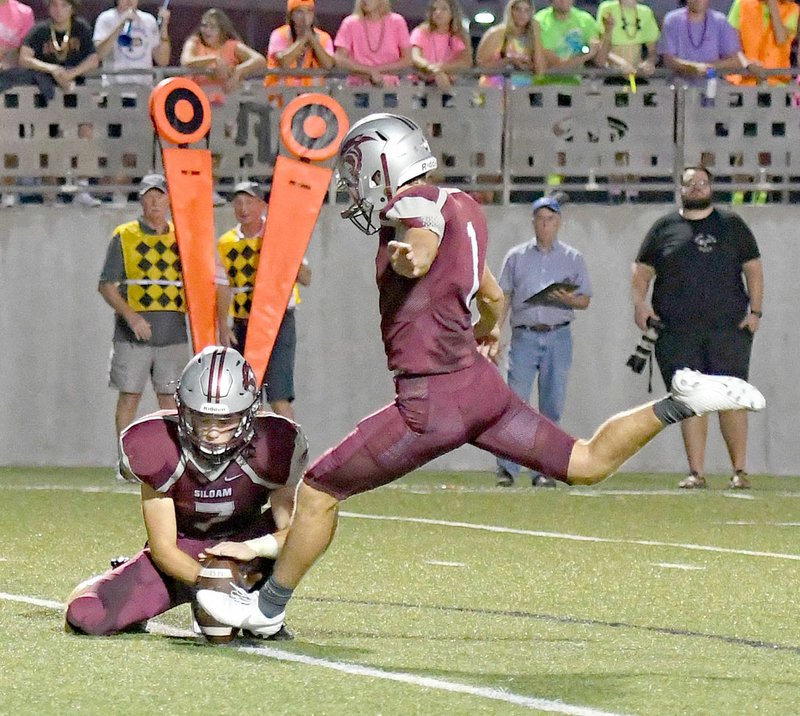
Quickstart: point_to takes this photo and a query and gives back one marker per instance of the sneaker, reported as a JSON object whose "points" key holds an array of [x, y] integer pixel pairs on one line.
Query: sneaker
{"points": [[693, 482], [283, 634], [504, 478], [84, 198], [240, 609], [8, 200], [710, 393], [542, 481], [739, 481], [218, 200]]}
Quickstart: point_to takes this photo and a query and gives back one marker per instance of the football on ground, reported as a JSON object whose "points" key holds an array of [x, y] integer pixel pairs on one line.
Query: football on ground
{"points": [[220, 574]]}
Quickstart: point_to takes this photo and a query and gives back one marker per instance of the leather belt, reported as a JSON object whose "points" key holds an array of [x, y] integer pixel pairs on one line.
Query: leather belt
{"points": [[543, 327]]}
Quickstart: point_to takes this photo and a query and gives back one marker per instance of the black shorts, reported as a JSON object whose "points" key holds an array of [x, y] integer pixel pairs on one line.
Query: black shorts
{"points": [[279, 377], [716, 351]]}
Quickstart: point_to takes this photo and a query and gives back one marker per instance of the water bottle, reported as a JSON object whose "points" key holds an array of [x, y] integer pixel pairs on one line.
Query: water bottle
{"points": [[711, 87], [125, 39]]}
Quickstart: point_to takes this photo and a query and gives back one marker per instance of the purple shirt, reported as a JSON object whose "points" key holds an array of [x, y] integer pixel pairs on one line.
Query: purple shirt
{"points": [[222, 504], [707, 41], [426, 322]]}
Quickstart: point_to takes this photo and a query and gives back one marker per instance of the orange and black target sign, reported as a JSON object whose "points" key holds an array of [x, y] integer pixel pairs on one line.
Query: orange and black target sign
{"points": [[180, 111], [313, 126]]}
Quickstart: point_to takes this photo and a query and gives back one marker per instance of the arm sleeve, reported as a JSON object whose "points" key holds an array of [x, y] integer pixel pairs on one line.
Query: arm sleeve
{"points": [[114, 266]]}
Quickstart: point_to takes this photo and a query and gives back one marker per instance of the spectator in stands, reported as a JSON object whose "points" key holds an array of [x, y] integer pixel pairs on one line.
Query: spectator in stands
{"points": [[513, 44], [239, 253], [634, 33], [767, 29], [440, 45], [59, 50], [571, 38], [373, 44], [128, 38], [299, 45], [216, 46], [16, 19], [696, 39]]}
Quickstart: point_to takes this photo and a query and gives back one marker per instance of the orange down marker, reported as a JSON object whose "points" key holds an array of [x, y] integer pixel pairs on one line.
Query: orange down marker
{"points": [[181, 115], [312, 128]]}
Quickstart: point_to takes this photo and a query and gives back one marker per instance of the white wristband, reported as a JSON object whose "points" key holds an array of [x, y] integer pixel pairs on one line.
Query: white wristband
{"points": [[266, 546]]}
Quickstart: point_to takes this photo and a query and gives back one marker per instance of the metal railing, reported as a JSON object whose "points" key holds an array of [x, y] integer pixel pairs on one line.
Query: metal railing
{"points": [[594, 139]]}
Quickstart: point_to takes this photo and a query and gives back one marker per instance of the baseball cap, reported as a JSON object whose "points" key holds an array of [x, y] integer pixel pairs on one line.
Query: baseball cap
{"points": [[152, 181], [249, 187], [547, 202], [294, 4]]}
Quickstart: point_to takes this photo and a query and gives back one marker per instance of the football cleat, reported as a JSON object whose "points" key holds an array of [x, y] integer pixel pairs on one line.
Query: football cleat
{"points": [[703, 393], [240, 609]]}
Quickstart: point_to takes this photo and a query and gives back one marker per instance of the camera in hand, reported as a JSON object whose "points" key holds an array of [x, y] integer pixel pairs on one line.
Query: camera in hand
{"points": [[638, 359]]}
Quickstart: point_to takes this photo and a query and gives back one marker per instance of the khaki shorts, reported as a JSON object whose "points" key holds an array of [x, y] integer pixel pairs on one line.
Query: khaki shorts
{"points": [[132, 365]]}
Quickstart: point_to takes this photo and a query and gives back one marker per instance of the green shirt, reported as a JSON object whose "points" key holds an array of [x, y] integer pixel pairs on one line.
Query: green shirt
{"points": [[632, 26], [566, 38]]}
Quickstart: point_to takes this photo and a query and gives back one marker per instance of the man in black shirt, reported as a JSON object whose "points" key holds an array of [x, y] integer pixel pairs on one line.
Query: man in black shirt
{"points": [[697, 257], [60, 46]]}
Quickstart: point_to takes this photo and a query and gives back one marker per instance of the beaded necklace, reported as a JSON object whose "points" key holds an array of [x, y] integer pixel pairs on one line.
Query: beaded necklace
{"points": [[60, 49], [697, 45], [372, 49]]}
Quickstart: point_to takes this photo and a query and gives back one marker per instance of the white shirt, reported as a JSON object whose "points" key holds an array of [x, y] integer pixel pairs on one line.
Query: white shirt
{"points": [[145, 38]]}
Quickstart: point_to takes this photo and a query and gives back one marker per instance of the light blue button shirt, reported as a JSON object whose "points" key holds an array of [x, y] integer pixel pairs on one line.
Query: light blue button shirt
{"points": [[527, 269]]}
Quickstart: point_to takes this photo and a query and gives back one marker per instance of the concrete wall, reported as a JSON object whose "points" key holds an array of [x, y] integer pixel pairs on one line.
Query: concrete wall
{"points": [[55, 334]]}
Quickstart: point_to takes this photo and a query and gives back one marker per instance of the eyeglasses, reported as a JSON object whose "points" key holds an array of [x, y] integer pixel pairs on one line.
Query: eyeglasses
{"points": [[699, 184]]}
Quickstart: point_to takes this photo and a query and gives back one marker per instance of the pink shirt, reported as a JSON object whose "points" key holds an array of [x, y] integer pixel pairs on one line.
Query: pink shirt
{"points": [[437, 47], [15, 21], [373, 43]]}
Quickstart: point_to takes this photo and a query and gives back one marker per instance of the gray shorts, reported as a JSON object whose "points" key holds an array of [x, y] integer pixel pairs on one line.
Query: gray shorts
{"points": [[132, 365]]}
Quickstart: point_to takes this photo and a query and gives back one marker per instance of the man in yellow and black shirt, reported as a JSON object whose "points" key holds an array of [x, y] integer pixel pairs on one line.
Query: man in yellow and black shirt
{"points": [[142, 281], [239, 250]]}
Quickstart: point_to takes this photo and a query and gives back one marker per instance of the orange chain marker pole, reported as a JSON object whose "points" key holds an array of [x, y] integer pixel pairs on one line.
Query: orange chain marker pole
{"points": [[181, 115], [312, 128]]}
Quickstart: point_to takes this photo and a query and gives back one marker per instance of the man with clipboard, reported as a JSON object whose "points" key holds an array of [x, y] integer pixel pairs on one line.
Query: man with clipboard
{"points": [[544, 281]]}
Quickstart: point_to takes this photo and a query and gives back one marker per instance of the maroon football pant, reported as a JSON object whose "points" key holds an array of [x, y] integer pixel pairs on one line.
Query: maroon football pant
{"points": [[137, 591], [432, 415]]}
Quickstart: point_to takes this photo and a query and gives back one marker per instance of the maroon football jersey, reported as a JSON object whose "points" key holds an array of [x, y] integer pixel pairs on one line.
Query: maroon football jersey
{"points": [[224, 500], [426, 322]]}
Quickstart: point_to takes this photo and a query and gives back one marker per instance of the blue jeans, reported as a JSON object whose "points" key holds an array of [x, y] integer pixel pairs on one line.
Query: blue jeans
{"points": [[550, 356]]}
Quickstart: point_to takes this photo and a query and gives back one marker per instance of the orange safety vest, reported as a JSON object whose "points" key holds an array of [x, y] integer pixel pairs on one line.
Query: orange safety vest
{"points": [[758, 40]]}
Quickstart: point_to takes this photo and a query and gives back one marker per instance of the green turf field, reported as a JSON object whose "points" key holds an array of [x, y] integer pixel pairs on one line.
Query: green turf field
{"points": [[440, 595]]}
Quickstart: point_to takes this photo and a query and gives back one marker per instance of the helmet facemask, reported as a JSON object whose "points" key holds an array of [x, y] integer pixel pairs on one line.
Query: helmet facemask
{"points": [[217, 396]]}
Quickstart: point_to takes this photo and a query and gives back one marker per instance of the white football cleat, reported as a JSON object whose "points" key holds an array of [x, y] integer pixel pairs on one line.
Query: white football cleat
{"points": [[239, 609], [709, 393]]}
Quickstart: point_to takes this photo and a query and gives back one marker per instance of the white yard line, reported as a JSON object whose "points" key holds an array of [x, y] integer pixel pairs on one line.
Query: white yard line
{"points": [[491, 528], [548, 705], [572, 537]]}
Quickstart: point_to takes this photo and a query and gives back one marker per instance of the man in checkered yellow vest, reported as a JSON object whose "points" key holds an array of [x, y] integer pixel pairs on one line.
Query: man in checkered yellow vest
{"points": [[142, 281], [239, 250]]}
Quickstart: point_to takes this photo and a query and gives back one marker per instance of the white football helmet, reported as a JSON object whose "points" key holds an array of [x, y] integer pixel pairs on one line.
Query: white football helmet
{"points": [[217, 392], [379, 154]]}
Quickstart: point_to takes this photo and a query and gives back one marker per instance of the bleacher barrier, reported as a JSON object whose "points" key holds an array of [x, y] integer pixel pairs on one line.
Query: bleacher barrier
{"points": [[597, 139]]}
